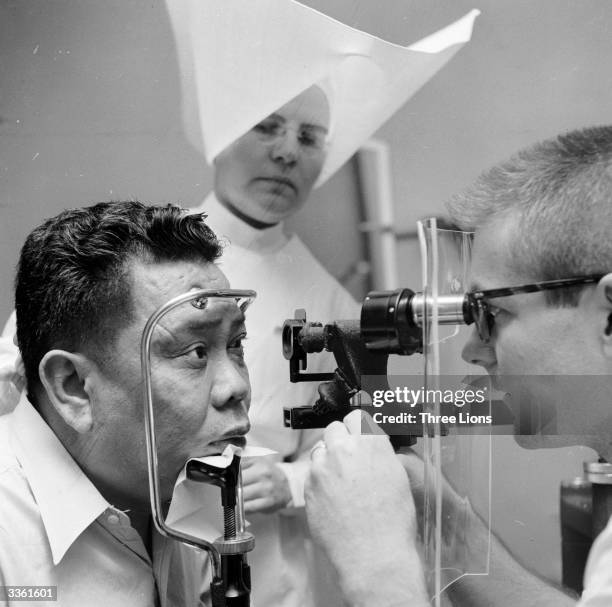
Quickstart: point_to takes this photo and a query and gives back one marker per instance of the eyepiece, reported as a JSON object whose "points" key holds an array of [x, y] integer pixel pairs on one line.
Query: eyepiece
{"points": [[388, 324]]}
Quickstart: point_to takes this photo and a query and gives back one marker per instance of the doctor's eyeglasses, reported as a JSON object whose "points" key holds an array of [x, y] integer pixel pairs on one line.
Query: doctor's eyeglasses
{"points": [[479, 311]]}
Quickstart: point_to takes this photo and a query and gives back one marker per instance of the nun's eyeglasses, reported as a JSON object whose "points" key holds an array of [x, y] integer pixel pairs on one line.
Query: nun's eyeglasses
{"points": [[311, 137], [478, 310]]}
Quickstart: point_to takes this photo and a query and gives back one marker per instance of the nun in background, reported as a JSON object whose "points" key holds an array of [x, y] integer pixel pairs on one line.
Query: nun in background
{"points": [[278, 97]]}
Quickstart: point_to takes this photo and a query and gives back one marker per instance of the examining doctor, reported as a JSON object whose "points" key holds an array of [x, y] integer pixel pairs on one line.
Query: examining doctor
{"points": [[541, 265]]}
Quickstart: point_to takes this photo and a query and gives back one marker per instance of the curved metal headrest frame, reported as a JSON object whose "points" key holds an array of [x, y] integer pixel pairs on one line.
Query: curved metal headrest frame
{"points": [[199, 299]]}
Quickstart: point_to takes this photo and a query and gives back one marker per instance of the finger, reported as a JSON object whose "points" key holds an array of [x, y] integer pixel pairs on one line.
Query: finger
{"points": [[247, 462], [413, 465], [415, 471], [369, 426], [318, 452], [257, 505], [334, 433], [352, 421], [250, 476], [252, 492], [361, 422]]}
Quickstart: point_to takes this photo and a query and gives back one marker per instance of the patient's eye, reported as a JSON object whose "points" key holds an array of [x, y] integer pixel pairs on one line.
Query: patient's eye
{"points": [[200, 352], [236, 346], [195, 354]]}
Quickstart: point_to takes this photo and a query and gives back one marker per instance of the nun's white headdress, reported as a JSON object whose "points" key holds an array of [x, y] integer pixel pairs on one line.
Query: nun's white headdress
{"points": [[243, 59]]}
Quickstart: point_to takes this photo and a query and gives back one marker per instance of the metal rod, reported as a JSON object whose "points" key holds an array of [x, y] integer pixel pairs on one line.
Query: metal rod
{"points": [[145, 361], [449, 309], [240, 522]]}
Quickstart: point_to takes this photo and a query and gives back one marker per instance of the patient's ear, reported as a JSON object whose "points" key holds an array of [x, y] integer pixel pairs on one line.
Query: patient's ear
{"points": [[604, 307], [63, 376]]}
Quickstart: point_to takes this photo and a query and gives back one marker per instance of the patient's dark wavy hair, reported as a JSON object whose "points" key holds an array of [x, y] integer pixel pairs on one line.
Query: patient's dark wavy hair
{"points": [[72, 289]]}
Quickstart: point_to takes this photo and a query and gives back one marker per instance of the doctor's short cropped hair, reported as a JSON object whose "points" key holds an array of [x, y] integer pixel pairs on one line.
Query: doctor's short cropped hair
{"points": [[72, 289], [560, 191]]}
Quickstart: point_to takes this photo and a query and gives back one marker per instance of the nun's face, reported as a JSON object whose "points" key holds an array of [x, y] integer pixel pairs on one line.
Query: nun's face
{"points": [[268, 173]]}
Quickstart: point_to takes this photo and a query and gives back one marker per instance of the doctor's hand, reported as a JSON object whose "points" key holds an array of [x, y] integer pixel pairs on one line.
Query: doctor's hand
{"points": [[361, 512], [358, 488], [265, 486]]}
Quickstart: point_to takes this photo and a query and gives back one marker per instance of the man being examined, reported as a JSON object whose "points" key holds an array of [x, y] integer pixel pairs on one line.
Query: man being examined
{"points": [[74, 496]]}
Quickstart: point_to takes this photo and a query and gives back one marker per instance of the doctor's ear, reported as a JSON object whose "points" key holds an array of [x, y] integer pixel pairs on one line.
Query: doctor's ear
{"points": [[64, 377], [604, 303]]}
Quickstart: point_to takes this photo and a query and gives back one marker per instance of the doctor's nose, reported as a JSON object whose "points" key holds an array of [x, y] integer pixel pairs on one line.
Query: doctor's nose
{"points": [[231, 384], [477, 352]]}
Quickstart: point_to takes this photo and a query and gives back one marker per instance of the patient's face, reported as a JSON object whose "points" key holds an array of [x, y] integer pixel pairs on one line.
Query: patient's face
{"points": [[536, 347], [269, 172], [201, 389]]}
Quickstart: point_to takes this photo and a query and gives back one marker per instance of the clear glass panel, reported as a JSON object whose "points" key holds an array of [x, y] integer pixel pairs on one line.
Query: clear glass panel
{"points": [[456, 448]]}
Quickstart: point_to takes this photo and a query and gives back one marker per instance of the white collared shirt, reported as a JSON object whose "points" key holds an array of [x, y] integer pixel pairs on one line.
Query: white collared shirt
{"points": [[10, 382], [56, 529]]}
